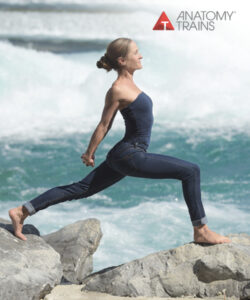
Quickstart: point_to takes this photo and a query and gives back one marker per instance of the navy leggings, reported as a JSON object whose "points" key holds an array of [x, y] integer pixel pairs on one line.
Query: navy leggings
{"points": [[130, 159]]}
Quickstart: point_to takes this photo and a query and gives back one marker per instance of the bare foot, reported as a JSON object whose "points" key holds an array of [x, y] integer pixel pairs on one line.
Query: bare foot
{"points": [[202, 234], [18, 215]]}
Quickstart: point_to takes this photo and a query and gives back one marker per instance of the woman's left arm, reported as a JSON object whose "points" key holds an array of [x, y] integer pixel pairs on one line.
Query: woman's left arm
{"points": [[108, 115]]}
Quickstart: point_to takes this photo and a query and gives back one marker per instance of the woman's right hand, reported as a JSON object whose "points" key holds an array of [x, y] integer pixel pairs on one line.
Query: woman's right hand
{"points": [[88, 160]]}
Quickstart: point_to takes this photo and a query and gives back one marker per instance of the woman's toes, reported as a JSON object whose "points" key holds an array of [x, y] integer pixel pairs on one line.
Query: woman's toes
{"points": [[21, 236]]}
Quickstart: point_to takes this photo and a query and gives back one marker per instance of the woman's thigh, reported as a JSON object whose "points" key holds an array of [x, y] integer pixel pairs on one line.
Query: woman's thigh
{"points": [[152, 165], [100, 178]]}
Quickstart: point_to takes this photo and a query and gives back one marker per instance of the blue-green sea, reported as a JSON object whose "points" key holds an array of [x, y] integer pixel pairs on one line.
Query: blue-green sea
{"points": [[51, 102]]}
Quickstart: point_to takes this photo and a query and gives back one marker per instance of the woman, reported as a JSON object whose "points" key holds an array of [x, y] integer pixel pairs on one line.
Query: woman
{"points": [[129, 156]]}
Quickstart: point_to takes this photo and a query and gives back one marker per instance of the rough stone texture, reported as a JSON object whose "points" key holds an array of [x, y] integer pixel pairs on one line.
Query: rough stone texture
{"points": [[189, 270], [73, 292], [28, 269], [76, 244]]}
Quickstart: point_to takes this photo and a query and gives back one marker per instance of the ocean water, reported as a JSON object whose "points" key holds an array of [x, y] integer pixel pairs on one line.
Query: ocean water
{"points": [[50, 106]]}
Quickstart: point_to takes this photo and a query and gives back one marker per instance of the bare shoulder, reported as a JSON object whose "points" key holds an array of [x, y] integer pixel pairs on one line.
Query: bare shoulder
{"points": [[119, 96], [115, 92], [114, 95]]}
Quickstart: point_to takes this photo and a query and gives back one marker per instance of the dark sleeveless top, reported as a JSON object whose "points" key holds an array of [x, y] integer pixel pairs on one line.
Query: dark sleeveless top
{"points": [[138, 118]]}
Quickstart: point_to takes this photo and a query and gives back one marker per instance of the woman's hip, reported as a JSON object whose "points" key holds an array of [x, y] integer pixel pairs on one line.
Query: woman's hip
{"points": [[139, 163]]}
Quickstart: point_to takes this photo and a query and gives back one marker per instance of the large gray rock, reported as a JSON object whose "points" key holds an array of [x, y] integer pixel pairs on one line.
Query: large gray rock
{"points": [[189, 270], [28, 269], [76, 244]]}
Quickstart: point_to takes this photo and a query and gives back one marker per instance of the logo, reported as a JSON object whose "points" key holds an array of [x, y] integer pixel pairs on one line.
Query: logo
{"points": [[163, 23], [194, 20]]}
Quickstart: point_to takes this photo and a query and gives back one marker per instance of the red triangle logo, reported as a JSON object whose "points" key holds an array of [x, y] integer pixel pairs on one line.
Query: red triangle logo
{"points": [[163, 23]]}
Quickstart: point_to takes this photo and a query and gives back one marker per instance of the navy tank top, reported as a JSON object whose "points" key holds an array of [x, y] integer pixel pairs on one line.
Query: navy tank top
{"points": [[138, 118]]}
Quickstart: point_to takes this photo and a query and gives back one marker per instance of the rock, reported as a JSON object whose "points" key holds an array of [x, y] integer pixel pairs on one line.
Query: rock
{"points": [[76, 244], [193, 269], [73, 292], [28, 269], [27, 228]]}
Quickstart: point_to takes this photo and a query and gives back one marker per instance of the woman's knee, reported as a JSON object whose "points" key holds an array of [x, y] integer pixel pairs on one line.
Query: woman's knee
{"points": [[196, 168], [193, 170]]}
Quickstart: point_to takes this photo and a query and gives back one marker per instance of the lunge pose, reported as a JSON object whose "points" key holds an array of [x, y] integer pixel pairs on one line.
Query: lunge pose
{"points": [[128, 157]]}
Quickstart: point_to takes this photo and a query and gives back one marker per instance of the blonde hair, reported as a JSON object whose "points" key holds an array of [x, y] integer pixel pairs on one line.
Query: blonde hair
{"points": [[118, 47]]}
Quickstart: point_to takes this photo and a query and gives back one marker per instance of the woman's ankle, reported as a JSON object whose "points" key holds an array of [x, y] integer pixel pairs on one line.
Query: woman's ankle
{"points": [[25, 212], [200, 228]]}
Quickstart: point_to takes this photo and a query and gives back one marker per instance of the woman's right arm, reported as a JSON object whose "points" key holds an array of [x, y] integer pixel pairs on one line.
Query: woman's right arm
{"points": [[109, 111]]}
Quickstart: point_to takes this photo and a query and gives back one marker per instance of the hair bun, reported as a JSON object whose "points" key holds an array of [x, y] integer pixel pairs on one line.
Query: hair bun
{"points": [[104, 63]]}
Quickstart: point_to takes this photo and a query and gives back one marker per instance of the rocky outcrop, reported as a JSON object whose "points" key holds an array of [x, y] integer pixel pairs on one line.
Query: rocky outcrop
{"points": [[189, 270], [28, 269], [76, 244]]}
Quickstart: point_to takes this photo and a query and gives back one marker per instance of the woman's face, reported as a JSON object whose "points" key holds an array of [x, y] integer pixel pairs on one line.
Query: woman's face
{"points": [[133, 58]]}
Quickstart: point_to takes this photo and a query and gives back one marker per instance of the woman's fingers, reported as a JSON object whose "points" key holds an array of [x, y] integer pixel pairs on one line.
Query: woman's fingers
{"points": [[87, 160]]}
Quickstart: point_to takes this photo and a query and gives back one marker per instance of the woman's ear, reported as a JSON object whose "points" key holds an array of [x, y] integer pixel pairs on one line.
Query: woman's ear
{"points": [[121, 61]]}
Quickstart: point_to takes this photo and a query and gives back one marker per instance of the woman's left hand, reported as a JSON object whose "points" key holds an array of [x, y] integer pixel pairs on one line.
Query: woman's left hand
{"points": [[88, 160]]}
